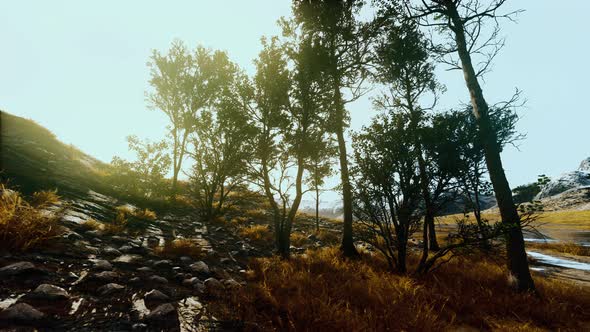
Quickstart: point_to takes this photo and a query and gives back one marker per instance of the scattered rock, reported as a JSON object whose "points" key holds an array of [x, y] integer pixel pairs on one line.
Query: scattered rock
{"points": [[190, 281], [19, 269], [110, 251], [162, 263], [107, 276], [101, 264], [155, 296], [128, 259], [213, 286], [73, 236], [199, 287], [21, 313], [152, 241], [110, 289], [200, 267], [139, 327], [47, 292], [231, 284], [144, 269], [186, 259], [163, 312], [158, 279]]}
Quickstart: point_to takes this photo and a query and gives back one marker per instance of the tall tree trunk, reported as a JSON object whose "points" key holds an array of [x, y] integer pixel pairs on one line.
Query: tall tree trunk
{"points": [[422, 264], [517, 259], [347, 246], [178, 163], [317, 209], [402, 249]]}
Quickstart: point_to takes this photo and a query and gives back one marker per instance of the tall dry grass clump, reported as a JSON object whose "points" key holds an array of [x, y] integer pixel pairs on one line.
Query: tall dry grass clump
{"points": [[27, 225], [257, 233], [320, 291], [179, 247], [129, 219]]}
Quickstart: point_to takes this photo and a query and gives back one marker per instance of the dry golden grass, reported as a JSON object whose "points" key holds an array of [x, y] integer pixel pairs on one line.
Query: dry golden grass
{"points": [[328, 237], [26, 226], [240, 220], [256, 214], [320, 291], [549, 218], [257, 233], [129, 219], [566, 248], [44, 198], [145, 214], [179, 247], [112, 228], [91, 225], [125, 210], [298, 239]]}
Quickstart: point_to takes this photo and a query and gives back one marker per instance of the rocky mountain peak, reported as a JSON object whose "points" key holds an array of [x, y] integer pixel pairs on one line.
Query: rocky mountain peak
{"points": [[585, 165]]}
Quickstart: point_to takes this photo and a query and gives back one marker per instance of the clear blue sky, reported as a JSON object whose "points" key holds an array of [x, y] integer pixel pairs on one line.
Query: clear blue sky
{"points": [[79, 69]]}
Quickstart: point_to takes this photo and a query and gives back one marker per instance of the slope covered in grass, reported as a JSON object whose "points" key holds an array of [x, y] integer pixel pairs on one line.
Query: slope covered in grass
{"points": [[33, 158]]}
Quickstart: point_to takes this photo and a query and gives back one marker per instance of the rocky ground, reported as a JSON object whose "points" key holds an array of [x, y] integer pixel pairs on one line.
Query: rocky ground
{"points": [[92, 281]]}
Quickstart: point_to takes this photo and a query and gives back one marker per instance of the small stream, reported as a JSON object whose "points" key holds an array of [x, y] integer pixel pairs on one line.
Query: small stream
{"points": [[559, 262], [543, 259]]}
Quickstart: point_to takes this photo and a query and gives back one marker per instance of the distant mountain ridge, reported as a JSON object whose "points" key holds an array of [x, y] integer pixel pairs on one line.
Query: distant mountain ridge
{"points": [[570, 190]]}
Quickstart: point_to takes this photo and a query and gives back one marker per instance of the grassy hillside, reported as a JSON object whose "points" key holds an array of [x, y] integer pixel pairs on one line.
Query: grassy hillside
{"points": [[32, 158]]}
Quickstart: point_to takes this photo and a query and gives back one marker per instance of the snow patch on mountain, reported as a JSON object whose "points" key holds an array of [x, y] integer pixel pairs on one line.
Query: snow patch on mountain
{"points": [[575, 180]]}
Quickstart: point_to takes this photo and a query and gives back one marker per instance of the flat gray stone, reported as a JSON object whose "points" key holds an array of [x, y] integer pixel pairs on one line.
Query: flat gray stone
{"points": [[101, 264], [110, 289], [21, 313], [162, 313], [110, 251], [158, 279], [162, 263], [107, 276], [128, 259], [156, 296], [18, 269], [200, 267], [49, 292]]}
